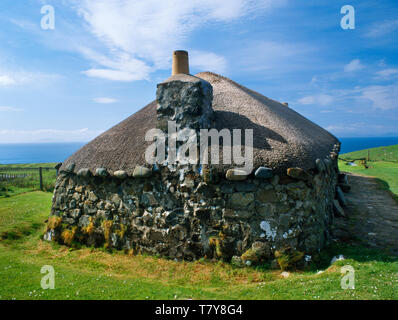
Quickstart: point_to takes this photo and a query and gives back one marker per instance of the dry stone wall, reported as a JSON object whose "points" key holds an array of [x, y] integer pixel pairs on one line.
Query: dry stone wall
{"points": [[192, 214]]}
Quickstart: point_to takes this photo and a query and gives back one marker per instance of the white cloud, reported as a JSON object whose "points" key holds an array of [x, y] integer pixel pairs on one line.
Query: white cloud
{"points": [[207, 61], [388, 73], [9, 109], [21, 77], [383, 28], [360, 129], [319, 99], [105, 100], [119, 67], [47, 135], [382, 97], [115, 75], [363, 99], [139, 36], [6, 80], [354, 65]]}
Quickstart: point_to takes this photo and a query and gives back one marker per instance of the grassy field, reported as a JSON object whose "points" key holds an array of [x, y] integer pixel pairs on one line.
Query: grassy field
{"points": [[28, 183], [386, 172], [388, 154], [88, 273], [28, 165]]}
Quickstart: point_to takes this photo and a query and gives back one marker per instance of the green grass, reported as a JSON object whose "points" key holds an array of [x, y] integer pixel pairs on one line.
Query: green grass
{"points": [[28, 165], [88, 273], [389, 154], [31, 182]]}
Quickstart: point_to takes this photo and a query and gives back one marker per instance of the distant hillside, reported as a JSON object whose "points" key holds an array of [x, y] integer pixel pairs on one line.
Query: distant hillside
{"points": [[389, 153]]}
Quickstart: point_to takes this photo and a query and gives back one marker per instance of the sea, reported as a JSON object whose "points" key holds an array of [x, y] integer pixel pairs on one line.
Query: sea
{"points": [[59, 152]]}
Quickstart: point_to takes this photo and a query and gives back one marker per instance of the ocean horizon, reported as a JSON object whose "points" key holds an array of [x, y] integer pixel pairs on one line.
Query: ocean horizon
{"points": [[20, 153]]}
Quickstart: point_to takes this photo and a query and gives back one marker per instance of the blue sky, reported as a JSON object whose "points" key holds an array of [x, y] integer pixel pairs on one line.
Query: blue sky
{"points": [[104, 58]]}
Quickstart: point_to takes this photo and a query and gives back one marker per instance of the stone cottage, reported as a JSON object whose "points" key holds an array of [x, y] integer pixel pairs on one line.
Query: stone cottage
{"points": [[107, 194]]}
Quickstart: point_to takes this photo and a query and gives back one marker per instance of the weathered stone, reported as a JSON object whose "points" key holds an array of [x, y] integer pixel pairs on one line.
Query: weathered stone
{"points": [[108, 205], [142, 172], [262, 249], [297, 191], [186, 100], [237, 262], [84, 172], [340, 197], [76, 213], [298, 173], [244, 214], [84, 221], [337, 209], [266, 210], [342, 178], [236, 175], [120, 174], [76, 196], [263, 173], [228, 213], [240, 200], [245, 187], [148, 199], [328, 164], [172, 217], [275, 180], [149, 217], [320, 165], [202, 213], [101, 172], [92, 197], [70, 167], [187, 185], [345, 187], [210, 175], [155, 235], [116, 199], [259, 251], [227, 188], [266, 196], [72, 204]]}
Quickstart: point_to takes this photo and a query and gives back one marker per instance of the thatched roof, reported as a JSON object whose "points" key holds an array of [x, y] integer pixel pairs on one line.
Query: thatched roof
{"points": [[282, 137]]}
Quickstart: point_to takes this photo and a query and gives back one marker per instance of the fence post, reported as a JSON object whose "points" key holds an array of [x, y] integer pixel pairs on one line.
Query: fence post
{"points": [[41, 178]]}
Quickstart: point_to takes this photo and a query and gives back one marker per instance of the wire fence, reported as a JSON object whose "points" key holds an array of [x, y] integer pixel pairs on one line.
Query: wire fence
{"points": [[379, 154], [40, 178]]}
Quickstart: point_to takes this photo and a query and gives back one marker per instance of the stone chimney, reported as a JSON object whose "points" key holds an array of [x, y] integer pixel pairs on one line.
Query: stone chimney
{"points": [[184, 98]]}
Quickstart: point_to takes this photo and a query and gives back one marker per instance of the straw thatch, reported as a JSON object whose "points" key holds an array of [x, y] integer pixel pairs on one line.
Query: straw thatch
{"points": [[282, 137]]}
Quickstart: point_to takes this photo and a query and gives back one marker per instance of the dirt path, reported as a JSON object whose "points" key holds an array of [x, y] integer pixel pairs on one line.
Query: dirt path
{"points": [[372, 215]]}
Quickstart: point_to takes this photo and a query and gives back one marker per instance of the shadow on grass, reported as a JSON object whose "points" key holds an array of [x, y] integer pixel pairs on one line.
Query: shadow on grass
{"points": [[350, 251], [20, 231]]}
